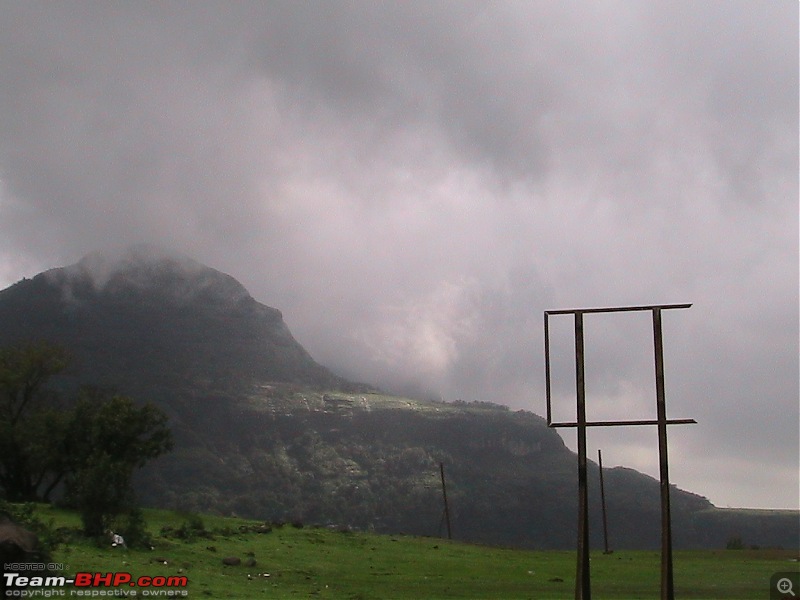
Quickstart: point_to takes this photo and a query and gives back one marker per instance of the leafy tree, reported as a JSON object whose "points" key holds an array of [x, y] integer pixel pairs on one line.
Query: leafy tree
{"points": [[30, 427], [108, 437], [94, 446]]}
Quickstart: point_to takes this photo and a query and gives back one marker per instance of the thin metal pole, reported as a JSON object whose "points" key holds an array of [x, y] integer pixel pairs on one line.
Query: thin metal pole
{"points": [[547, 367], [667, 584], [446, 507], [603, 501], [583, 589]]}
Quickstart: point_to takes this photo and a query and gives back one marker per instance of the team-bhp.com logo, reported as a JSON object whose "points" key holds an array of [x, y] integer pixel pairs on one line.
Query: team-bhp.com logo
{"points": [[87, 584]]}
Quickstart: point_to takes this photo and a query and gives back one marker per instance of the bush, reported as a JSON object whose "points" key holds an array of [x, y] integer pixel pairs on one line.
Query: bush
{"points": [[191, 529], [735, 543], [133, 529]]}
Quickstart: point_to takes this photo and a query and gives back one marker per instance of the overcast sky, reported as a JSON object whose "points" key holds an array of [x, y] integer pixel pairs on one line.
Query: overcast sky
{"points": [[414, 183]]}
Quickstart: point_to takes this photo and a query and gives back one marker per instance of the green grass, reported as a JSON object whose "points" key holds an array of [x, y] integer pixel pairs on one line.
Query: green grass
{"points": [[321, 563]]}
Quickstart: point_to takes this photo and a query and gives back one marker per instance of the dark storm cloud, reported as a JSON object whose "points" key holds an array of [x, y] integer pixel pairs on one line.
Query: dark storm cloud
{"points": [[413, 183]]}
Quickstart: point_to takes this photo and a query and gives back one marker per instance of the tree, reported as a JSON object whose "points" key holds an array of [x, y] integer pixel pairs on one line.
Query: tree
{"points": [[30, 426], [93, 446], [108, 437]]}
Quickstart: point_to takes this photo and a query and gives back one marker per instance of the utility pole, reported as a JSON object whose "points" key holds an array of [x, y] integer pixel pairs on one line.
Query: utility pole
{"points": [[603, 503], [583, 586], [446, 507]]}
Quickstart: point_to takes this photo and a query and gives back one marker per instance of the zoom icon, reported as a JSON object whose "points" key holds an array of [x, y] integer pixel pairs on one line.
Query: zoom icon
{"points": [[784, 585]]}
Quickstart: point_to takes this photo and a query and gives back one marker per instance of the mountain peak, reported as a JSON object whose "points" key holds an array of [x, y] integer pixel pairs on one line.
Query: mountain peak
{"points": [[152, 270], [101, 265], [131, 313]]}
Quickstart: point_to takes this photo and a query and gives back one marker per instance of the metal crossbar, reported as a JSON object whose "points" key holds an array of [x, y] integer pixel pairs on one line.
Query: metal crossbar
{"points": [[572, 311], [582, 581], [625, 423]]}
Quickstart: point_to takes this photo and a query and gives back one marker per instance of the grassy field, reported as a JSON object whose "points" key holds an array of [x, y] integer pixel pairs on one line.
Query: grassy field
{"points": [[293, 562]]}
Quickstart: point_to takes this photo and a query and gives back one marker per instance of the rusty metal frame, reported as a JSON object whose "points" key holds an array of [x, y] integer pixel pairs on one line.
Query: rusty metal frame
{"points": [[582, 580]]}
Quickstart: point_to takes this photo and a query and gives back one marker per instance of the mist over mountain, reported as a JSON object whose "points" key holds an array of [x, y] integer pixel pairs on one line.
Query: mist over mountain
{"points": [[145, 315], [150, 270], [262, 430]]}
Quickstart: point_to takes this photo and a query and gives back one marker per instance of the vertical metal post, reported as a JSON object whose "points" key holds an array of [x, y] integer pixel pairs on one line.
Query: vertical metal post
{"points": [[446, 507], [547, 367], [603, 502], [583, 589], [667, 585]]}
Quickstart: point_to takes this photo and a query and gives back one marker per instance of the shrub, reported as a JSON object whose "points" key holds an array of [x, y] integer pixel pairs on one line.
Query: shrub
{"points": [[191, 529], [735, 543], [132, 527]]}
